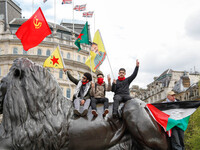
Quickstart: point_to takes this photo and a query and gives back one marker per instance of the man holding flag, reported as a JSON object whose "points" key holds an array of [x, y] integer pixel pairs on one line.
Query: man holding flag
{"points": [[173, 115], [82, 94], [177, 135]]}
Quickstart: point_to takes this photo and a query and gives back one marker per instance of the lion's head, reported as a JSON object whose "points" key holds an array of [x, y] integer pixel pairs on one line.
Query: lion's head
{"points": [[35, 112]]}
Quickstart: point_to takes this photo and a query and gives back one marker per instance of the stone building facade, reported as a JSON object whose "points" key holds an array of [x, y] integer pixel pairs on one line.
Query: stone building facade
{"points": [[11, 47], [167, 81]]}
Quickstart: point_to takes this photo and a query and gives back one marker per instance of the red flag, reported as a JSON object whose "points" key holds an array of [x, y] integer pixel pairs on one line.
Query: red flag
{"points": [[33, 31]]}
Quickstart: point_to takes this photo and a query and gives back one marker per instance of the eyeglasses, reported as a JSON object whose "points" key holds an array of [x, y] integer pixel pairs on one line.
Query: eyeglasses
{"points": [[121, 72], [84, 77]]}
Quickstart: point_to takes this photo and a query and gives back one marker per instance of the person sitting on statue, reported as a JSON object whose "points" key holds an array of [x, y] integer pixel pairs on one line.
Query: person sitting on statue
{"points": [[120, 88], [82, 92], [98, 92]]}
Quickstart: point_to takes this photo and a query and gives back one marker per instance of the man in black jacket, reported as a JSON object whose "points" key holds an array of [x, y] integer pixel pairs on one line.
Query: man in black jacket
{"points": [[121, 88]]}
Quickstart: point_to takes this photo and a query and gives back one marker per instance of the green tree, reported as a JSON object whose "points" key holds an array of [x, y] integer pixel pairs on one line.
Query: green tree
{"points": [[192, 134]]}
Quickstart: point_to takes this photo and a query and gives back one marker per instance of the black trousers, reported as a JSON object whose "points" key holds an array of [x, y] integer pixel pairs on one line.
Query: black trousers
{"points": [[118, 98], [177, 139], [94, 101]]}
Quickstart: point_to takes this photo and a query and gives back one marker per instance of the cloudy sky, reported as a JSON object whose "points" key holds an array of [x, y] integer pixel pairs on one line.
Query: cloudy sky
{"points": [[161, 34]]}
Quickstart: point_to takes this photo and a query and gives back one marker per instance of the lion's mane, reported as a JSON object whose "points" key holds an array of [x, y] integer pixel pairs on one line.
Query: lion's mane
{"points": [[36, 113]]}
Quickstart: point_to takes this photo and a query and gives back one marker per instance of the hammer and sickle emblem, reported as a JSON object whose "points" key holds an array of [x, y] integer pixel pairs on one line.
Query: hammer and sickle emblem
{"points": [[36, 23]]}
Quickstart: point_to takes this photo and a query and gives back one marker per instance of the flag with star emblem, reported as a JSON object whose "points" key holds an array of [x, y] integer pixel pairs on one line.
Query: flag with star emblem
{"points": [[33, 31], [55, 60], [83, 37]]}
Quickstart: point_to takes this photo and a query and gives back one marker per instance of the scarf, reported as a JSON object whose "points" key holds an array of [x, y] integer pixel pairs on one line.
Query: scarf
{"points": [[100, 81], [121, 79], [84, 83], [78, 87]]}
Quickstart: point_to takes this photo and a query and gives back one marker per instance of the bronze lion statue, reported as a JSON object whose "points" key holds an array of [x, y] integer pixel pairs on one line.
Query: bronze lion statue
{"points": [[36, 116]]}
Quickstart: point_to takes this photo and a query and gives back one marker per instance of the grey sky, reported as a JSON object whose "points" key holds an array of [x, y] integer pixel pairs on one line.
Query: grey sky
{"points": [[162, 34]]}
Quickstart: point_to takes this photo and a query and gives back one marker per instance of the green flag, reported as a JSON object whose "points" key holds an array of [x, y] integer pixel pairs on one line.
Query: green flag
{"points": [[83, 37]]}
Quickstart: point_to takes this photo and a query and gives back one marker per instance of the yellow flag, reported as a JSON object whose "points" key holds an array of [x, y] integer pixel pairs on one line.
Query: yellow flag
{"points": [[55, 60], [97, 52]]}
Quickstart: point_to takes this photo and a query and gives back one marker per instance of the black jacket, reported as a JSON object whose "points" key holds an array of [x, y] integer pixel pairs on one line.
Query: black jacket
{"points": [[122, 87]]}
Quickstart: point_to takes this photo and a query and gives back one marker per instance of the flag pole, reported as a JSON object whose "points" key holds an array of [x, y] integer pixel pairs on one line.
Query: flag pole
{"points": [[55, 14], [64, 66], [90, 63], [61, 56], [108, 58], [90, 56], [94, 22], [32, 6], [73, 15]]}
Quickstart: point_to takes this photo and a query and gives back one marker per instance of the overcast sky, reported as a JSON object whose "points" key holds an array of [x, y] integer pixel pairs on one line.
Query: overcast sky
{"points": [[161, 34]]}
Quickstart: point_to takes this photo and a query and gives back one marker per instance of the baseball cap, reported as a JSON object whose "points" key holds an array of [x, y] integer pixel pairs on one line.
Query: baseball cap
{"points": [[171, 93]]}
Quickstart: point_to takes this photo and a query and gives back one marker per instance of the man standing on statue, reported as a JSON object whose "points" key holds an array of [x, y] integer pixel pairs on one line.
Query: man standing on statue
{"points": [[82, 92], [121, 88], [177, 135]]}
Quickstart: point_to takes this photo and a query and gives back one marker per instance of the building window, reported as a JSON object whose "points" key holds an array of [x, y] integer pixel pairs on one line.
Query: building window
{"points": [[68, 94], [83, 59], [79, 58], [61, 74], [48, 52], [25, 52], [68, 56], [39, 52], [15, 50]]}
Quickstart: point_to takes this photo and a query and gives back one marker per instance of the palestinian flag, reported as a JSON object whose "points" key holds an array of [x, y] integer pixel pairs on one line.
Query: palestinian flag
{"points": [[173, 114]]}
